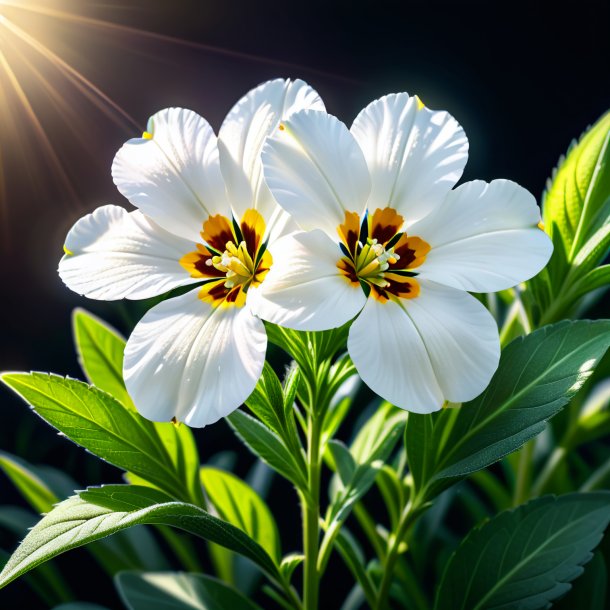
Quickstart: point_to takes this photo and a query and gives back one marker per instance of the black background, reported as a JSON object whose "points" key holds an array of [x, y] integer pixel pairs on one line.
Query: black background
{"points": [[523, 79]]}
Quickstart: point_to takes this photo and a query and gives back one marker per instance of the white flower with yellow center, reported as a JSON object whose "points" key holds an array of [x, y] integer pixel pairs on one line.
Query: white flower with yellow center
{"points": [[386, 239], [206, 216]]}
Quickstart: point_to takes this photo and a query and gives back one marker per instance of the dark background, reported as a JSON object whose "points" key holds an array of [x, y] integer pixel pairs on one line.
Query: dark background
{"points": [[523, 79]]}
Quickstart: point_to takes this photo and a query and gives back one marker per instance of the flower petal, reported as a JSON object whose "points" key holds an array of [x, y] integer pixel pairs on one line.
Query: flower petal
{"points": [[304, 289], [188, 360], [243, 134], [414, 155], [316, 170], [113, 254], [442, 345], [173, 176], [484, 237]]}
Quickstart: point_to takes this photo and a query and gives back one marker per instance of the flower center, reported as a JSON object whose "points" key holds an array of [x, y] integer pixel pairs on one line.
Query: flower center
{"points": [[372, 261], [379, 257], [228, 270]]}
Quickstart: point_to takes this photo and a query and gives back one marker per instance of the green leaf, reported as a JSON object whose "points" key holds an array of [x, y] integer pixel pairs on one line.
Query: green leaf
{"points": [[269, 447], [80, 606], [536, 377], [98, 422], [99, 512], [31, 487], [100, 354], [178, 591], [589, 591], [237, 503], [579, 188], [289, 564], [527, 557]]}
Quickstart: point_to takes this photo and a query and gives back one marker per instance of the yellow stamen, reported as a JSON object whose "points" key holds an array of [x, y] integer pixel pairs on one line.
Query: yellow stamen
{"points": [[541, 225], [420, 104], [68, 252], [147, 135]]}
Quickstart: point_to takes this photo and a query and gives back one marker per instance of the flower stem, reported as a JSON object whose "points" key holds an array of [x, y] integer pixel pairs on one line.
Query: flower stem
{"points": [[524, 473], [311, 516], [406, 519]]}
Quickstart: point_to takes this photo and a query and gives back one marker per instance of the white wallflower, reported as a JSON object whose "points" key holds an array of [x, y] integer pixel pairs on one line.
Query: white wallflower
{"points": [[204, 215], [387, 240]]}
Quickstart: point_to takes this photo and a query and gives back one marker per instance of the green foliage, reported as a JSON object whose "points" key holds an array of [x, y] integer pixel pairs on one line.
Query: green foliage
{"points": [[178, 591], [98, 422], [536, 377], [527, 557], [100, 353], [267, 445], [576, 209], [237, 503], [101, 511]]}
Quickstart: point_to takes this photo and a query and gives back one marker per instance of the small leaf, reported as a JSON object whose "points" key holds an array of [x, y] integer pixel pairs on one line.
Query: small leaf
{"points": [[178, 591], [237, 503], [344, 463], [98, 422], [268, 446], [527, 557], [99, 512], [289, 564], [100, 354]]}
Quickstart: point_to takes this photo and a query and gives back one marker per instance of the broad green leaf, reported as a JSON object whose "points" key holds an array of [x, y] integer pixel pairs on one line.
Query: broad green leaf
{"points": [[98, 422], [237, 503], [536, 377], [31, 487], [99, 512], [527, 557], [269, 447], [178, 591], [100, 354]]}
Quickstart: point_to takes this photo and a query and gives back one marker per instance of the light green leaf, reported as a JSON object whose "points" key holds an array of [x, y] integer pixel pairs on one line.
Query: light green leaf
{"points": [[289, 564], [98, 422], [178, 591], [579, 188], [536, 377], [99, 512], [269, 447], [527, 557], [100, 354], [237, 503], [31, 487]]}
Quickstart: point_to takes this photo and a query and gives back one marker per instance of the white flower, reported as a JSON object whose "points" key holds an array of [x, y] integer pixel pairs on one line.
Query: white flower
{"points": [[205, 215], [388, 241]]}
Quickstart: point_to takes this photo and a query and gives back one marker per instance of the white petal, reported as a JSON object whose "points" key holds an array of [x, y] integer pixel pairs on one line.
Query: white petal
{"points": [[414, 155], [484, 237], [189, 360], [173, 177], [304, 289], [316, 170], [243, 134], [442, 345], [114, 254]]}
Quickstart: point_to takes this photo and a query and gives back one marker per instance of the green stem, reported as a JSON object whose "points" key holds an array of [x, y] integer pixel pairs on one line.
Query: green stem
{"points": [[524, 473], [311, 508], [550, 468], [406, 519]]}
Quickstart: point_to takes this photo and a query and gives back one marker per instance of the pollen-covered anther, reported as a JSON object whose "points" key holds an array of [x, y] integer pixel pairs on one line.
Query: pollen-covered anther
{"points": [[236, 263], [373, 260]]}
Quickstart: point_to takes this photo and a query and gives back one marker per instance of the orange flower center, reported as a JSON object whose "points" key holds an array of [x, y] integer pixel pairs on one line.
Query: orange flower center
{"points": [[379, 257], [231, 258]]}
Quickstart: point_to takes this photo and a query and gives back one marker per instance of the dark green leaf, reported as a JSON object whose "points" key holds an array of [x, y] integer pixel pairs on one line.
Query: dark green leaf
{"points": [[527, 557], [178, 591], [589, 591]]}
